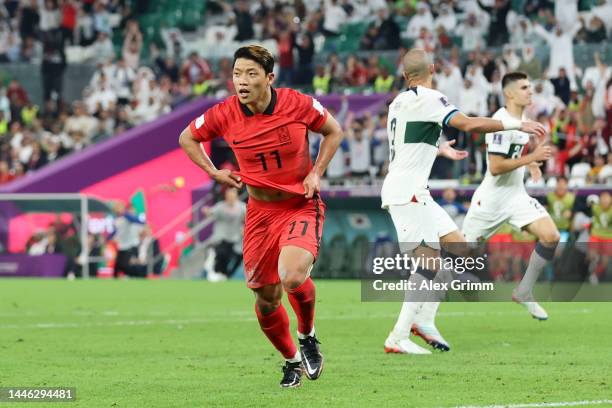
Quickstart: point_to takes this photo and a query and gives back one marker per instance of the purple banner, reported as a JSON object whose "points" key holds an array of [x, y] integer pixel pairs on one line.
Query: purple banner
{"points": [[21, 265], [358, 104]]}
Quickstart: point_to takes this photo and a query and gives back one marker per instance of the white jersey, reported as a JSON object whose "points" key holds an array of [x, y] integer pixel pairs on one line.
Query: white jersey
{"points": [[414, 125], [502, 198], [509, 144]]}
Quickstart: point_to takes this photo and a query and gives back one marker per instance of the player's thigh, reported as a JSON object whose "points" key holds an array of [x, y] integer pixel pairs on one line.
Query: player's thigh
{"points": [[299, 241], [260, 249], [294, 266], [544, 229], [414, 224], [302, 227], [454, 243], [529, 214], [481, 222]]}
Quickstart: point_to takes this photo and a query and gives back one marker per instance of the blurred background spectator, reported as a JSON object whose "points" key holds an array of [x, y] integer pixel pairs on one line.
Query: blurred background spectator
{"points": [[226, 254]]}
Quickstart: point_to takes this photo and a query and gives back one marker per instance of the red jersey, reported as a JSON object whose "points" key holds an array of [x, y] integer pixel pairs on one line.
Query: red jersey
{"points": [[271, 147]]}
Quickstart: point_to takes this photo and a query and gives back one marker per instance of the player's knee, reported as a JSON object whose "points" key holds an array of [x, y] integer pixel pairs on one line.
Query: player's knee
{"points": [[293, 281], [268, 305], [551, 238], [268, 298], [292, 276]]}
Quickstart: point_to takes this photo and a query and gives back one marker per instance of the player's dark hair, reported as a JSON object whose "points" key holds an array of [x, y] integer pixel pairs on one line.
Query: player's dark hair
{"points": [[513, 77], [258, 54], [559, 178]]}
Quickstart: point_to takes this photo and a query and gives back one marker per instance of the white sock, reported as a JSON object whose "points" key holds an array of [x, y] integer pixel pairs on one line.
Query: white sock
{"points": [[412, 305], [406, 318], [536, 264], [303, 336], [427, 314], [296, 359]]}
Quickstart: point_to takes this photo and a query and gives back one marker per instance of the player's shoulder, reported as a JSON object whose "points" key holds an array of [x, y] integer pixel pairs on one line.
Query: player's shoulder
{"points": [[288, 93], [434, 100], [430, 92], [223, 113], [501, 113], [405, 98], [419, 92], [295, 101], [292, 96], [430, 95], [227, 105], [223, 109]]}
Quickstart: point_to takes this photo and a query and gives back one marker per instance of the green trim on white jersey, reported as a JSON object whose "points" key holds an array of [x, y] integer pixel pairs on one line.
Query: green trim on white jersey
{"points": [[414, 125]]}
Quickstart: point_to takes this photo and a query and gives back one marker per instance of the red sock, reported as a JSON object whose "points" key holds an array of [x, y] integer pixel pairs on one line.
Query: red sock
{"points": [[276, 328], [302, 300]]}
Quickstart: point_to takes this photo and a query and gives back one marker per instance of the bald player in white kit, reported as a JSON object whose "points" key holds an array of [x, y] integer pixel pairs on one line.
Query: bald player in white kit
{"points": [[414, 126]]}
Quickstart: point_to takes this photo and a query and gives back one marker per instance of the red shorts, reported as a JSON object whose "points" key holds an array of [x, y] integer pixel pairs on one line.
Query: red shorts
{"points": [[601, 246], [269, 226]]}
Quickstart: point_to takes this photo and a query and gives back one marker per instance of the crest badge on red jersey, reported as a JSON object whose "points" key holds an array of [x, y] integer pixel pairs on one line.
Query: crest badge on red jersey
{"points": [[283, 135]]}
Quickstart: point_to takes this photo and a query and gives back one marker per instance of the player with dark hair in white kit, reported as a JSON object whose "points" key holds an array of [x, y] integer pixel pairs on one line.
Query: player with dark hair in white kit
{"points": [[501, 197]]}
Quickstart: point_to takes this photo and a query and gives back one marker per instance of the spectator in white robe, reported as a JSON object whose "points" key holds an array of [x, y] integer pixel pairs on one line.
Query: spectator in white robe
{"points": [[565, 13], [446, 18], [447, 81], [472, 100], [423, 18], [561, 48]]}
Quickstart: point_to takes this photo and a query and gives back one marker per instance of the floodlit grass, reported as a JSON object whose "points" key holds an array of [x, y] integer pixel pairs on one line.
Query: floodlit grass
{"points": [[195, 344]]}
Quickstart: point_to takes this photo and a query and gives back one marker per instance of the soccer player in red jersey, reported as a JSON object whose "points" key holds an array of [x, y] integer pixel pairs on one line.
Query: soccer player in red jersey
{"points": [[267, 129]]}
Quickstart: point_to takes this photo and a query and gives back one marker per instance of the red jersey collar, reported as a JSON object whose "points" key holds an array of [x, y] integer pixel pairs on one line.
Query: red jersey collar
{"points": [[269, 110]]}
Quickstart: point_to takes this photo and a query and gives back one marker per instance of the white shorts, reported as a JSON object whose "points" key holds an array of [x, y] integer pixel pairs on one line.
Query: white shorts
{"points": [[485, 216], [424, 221]]}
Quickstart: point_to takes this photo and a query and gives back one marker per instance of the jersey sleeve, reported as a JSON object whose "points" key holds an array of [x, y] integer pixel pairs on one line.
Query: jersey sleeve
{"points": [[207, 126], [311, 112], [498, 143], [440, 110]]}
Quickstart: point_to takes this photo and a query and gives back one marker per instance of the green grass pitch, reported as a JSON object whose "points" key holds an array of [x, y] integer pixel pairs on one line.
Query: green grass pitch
{"points": [[196, 344]]}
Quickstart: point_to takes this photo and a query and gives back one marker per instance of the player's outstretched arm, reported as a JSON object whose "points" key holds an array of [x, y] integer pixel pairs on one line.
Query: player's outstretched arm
{"points": [[332, 137], [500, 164], [191, 147], [488, 125]]}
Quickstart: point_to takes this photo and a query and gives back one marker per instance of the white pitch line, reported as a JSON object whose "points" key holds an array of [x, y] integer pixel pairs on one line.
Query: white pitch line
{"points": [[234, 318], [543, 404], [232, 314]]}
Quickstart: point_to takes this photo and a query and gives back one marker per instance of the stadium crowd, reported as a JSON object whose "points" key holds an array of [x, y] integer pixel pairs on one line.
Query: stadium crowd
{"points": [[140, 80]]}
